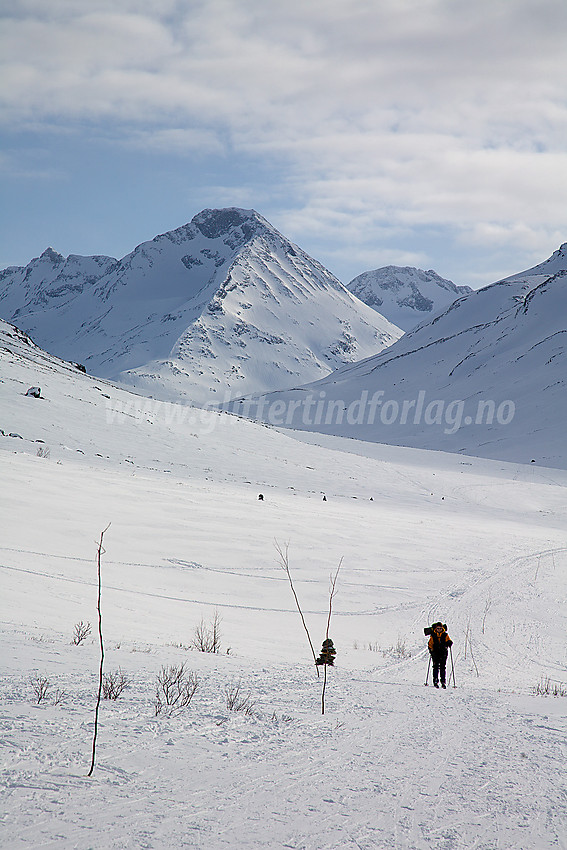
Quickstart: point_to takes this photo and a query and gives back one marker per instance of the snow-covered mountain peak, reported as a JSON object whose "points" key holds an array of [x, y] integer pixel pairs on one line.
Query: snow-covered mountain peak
{"points": [[222, 306], [52, 256], [404, 294], [219, 223]]}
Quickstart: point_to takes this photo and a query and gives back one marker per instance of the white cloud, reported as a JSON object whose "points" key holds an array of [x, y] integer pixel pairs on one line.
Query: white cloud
{"points": [[410, 112]]}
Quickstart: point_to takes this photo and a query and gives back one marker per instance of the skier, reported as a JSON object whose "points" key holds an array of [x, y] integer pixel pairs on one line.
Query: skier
{"points": [[439, 643]]}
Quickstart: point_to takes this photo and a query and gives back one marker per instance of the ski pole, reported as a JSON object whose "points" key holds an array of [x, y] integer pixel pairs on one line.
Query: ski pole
{"points": [[452, 667], [427, 677]]}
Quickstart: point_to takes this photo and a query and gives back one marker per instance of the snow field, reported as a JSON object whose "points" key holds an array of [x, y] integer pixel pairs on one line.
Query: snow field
{"points": [[423, 536], [391, 765]]}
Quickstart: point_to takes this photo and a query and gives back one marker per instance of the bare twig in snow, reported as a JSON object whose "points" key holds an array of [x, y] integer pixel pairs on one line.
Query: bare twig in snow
{"points": [[100, 552], [40, 686], [284, 562], [332, 591], [81, 632]]}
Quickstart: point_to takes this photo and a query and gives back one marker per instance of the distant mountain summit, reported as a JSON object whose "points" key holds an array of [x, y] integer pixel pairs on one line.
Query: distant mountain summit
{"points": [[486, 376], [406, 296], [222, 306]]}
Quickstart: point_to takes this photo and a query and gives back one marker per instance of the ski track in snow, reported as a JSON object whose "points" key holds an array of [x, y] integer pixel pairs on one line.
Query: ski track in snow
{"points": [[452, 774], [389, 765]]}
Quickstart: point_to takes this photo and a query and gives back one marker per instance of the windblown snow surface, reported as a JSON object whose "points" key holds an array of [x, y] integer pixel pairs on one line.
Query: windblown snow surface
{"points": [[422, 535]]}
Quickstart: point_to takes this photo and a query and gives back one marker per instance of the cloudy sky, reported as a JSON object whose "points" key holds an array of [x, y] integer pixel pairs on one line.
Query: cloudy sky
{"points": [[371, 132]]}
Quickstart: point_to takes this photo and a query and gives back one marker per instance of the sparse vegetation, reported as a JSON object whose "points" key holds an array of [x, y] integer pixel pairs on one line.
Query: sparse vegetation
{"points": [[548, 687], [59, 697], [40, 686], [175, 688], [283, 718], [81, 632], [398, 651], [114, 683], [236, 701], [207, 637]]}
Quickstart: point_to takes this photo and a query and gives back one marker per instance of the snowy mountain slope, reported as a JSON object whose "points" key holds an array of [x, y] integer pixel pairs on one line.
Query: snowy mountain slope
{"points": [[218, 307], [477, 543], [554, 264], [406, 296], [487, 377]]}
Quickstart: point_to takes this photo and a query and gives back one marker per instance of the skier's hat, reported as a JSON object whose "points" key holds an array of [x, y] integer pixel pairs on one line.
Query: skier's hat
{"points": [[428, 630]]}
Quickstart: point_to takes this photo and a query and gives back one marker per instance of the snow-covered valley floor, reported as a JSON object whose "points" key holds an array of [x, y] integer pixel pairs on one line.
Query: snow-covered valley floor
{"points": [[391, 764]]}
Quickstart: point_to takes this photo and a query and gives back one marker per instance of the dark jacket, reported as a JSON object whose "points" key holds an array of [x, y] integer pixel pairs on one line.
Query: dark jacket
{"points": [[439, 644]]}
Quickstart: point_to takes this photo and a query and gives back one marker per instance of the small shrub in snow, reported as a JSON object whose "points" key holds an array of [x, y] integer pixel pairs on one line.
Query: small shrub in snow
{"points": [[398, 651], [236, 701], [283, 718], [40, 686], [59, 697], [207, 637], [81, 632], [114, 683], [175, 688], [546, 687]]}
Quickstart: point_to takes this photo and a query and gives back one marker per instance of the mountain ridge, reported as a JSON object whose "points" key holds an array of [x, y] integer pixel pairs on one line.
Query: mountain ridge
{"points": [[486, 376], [189, 315]]}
